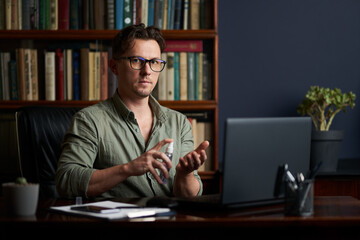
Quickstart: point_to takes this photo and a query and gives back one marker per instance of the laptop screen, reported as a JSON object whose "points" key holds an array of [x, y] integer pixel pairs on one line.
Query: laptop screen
{"points": [[254, 148]]}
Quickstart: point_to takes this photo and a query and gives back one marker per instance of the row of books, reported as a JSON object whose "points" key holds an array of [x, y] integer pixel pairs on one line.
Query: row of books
{"points": [[186, 77], [99, 14], [62, 74], [80, 72]]}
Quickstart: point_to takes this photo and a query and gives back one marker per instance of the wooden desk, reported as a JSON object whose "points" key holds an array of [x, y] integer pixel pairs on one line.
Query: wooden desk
{"points": [[334, 218]]}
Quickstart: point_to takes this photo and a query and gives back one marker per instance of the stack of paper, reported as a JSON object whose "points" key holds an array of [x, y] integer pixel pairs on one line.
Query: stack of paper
{"points": [[125, 210]]}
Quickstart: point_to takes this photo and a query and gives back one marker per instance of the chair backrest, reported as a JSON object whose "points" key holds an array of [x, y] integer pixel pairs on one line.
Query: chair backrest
{"points": [[40, 131]]}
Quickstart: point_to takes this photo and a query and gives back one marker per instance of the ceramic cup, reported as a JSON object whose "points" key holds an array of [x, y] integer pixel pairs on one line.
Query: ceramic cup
{"points": [[21, 199]]}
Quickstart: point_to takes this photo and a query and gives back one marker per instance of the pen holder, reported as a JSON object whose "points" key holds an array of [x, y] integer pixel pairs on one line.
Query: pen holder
{"points": [[300, 201]]}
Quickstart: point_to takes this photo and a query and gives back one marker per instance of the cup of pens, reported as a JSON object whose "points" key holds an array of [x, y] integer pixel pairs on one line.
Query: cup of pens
{"points": [[300, 201]]}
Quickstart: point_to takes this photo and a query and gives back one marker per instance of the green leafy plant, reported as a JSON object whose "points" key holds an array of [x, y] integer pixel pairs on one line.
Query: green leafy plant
{"points": [[322, 104]]}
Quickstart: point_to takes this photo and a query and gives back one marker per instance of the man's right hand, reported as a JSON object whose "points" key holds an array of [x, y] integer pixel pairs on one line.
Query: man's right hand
{"points": [[148, 162]]}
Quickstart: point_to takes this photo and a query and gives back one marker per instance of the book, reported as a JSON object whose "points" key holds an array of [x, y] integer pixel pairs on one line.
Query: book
{"points": [[50, 76], [8, 14], [91, 76], [2, 15], [68, 74], [170, 93], [110, 10], [99, 14], [194, 14], [176, 76], [59, 77], [190, 76], [183, 75], [74, 18], [158, 13], [128, 13], [13, 83], [34, 74], [185, 14], [151, 12], [76, 74], [144, 11], [5, 74], [104, 75], [64, 15], [200, 72], [178, 14], [119, 14], [25, 15], [53, 15], [184, 46], [20, 69], [97, 77]]}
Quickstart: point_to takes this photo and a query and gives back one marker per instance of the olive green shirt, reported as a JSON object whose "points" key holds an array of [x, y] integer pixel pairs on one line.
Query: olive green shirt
{"points": [[107, 134]]}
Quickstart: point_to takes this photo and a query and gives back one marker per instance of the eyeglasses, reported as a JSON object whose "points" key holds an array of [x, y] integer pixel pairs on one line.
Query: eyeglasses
{"points": [[138, 63]]}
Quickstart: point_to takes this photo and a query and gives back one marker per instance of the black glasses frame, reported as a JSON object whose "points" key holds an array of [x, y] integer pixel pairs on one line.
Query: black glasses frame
{"points": [[145, 60]]}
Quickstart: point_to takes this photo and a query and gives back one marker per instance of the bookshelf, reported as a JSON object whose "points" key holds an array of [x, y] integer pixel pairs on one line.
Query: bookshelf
{"points": [[10, 39]]}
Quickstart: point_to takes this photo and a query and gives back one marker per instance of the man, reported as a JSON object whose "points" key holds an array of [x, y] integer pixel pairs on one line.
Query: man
{"points": [[116, 147]]}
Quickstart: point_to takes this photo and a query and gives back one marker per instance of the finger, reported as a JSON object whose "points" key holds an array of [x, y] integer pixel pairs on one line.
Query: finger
{"points": [[203, 146], [196, 161], [163, 157], [162, 168], [160, 144], [203, 157]]}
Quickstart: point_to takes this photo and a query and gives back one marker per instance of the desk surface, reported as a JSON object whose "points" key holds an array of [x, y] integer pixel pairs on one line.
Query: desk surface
{"points": [[333, 217]]}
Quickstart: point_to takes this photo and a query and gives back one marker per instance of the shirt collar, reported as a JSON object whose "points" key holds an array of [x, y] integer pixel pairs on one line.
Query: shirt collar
{"points": [[126, 113]]}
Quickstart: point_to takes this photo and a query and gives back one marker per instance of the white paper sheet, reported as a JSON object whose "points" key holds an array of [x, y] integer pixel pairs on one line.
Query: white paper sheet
{"points": [[122, 214]]}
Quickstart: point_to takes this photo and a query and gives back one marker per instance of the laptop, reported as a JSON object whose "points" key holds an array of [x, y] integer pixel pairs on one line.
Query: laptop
{"points": [[254, 148]]}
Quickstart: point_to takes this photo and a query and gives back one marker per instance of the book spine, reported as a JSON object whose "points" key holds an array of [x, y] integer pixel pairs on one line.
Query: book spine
{"points": [[53, 17], [74, 15], [50, 76], [110, 9], [104, 76], [184, 46], [34, 75], [63, 14], [119, 14], [176, 77], [170, 76], [191, 76], [25, 17], [69, 74], [13, 80], [183, 75], [76, 74], [151, 6], [99, 16], [59, 69], [128, 13], [20, 63], [2, 15], [185, 14], [178, 14], [194, 14]]}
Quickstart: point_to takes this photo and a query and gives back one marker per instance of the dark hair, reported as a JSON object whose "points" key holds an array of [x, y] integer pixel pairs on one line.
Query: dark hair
{"points": [[124, 40]]}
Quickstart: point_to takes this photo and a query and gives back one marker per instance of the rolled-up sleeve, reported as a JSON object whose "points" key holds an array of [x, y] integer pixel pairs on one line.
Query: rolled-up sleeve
{"points": [[79, 151]]}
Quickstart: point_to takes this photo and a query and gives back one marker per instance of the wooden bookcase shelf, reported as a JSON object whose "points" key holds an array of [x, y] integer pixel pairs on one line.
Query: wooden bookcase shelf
{"points": [[12, 37]]}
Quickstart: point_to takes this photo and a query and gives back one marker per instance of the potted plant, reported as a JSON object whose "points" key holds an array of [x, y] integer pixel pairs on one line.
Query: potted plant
{"points": [[322, 105]]}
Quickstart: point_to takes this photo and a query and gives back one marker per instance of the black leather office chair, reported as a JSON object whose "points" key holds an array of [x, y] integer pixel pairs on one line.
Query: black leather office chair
{"points": [[40, 131]]}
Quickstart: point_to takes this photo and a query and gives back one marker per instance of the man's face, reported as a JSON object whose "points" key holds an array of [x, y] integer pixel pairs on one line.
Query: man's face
{"points": [[138, 83]]}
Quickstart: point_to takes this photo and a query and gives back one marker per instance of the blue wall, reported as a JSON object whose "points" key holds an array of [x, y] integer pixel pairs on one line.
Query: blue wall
{"points": [[271, 51]]}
